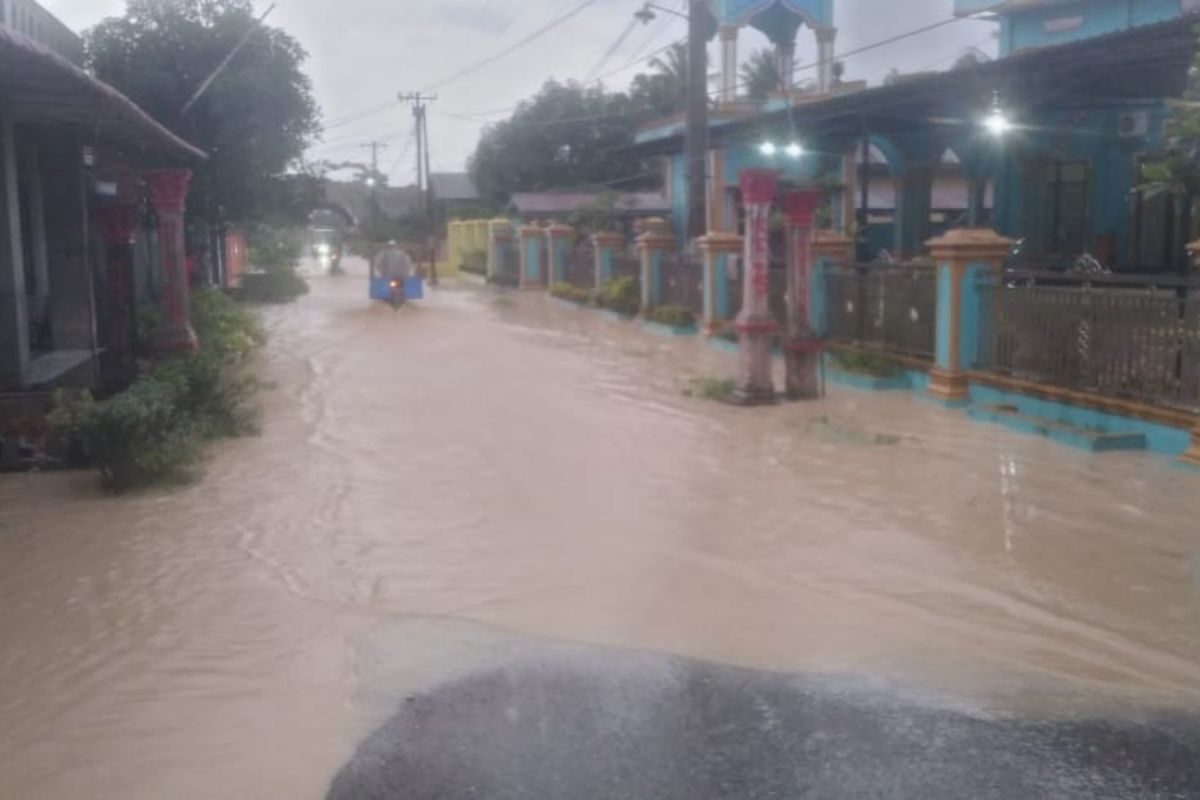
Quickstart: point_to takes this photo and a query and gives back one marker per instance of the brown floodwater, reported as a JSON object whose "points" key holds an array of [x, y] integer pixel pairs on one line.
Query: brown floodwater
{"points": [[435, 489]]}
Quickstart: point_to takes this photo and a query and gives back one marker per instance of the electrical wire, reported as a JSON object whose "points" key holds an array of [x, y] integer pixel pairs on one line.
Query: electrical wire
{"points": [[512, 48], [612, 49]]}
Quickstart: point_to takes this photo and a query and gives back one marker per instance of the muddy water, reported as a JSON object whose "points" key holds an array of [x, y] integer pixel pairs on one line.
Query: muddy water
{"points": [[438, 489]]}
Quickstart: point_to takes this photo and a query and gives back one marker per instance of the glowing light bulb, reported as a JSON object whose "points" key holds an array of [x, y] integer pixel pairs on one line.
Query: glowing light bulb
{"points": [[794, 150], [767, 149]]}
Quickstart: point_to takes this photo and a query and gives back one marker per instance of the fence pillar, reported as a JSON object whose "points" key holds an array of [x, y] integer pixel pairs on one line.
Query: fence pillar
{"points": [[963, 256], [168, 189], [652, 245], [532, 242], [718, 247], [802, 351], [500, 236], [606, 244], [559, 237], [755, 325]]}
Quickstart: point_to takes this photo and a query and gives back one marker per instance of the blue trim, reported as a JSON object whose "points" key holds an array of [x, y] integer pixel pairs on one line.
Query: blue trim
{"points": [[670, 331], [1093, 441]]}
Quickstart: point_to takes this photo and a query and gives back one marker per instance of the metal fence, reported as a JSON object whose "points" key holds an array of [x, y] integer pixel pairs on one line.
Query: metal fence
{"points": [[580, 269], [1126, 337], [508, 262], [626, 265], [891, 308], [682, 282]]}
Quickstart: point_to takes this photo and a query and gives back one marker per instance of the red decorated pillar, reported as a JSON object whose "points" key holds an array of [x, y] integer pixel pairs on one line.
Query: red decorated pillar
{"points": [[802, 350], [168, 194], [119, 223], [755, 325]]}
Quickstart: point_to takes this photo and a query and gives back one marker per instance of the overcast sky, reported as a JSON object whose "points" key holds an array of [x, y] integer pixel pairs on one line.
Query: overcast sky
{"points": [[362, 52]]}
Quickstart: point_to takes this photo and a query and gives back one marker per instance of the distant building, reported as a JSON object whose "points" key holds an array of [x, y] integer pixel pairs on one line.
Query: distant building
{"points": [[624, 207], [455, 193]]}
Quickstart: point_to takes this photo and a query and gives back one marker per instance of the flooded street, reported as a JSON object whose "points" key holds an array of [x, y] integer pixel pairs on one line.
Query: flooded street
{"points": [[486, 480]]}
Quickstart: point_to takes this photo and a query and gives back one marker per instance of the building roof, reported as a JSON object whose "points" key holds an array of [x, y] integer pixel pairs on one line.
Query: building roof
{"points": [[453, 186], [1146, 62], [42, 86], [550, 203]]}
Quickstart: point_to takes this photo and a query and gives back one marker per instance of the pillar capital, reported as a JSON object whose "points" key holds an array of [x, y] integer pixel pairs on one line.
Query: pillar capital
{"points": [[168, 189], [728, 33], [530, 231], [799, 206], [971, 245], [721, 242], [834, 246], [500, 228], [559, 230], [656, 235], [826, 35], [758, 185]]}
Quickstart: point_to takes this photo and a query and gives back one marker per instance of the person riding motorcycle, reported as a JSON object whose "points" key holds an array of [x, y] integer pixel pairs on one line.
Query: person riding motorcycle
{"points": [[396, 266]]}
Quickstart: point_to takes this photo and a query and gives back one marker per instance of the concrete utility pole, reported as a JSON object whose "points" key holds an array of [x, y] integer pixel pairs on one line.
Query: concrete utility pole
{"points": [[697, 119], [419, 103], [373, 182]]}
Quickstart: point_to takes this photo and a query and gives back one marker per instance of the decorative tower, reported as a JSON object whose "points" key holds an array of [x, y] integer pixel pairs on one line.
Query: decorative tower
{"points": [[781, 21]]}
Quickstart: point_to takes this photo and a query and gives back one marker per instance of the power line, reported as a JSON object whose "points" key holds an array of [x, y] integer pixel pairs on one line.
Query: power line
{"points": [[537, 34], [612, 49]]}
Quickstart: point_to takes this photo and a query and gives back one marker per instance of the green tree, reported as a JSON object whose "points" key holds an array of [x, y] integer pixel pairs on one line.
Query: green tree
{"points": [[760, 74], [562, 137], [1177, 172], [662, 92], [255, 120]]}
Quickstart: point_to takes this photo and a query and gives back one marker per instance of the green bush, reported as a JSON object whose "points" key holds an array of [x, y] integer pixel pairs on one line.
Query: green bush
{"points": [[275, 249], [153, 432], [875, 365], [570, 292], [474, 262], [672, 316], [623, 295], [711, 388]]}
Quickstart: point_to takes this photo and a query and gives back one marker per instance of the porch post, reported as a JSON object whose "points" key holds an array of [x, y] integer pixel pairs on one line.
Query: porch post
{"points": [[14, 313], [558, 241], [531, 257], [962, 257], [718, 247], [652, 245], [755, 325], [36, 196], [499, 236], [168, 190], [728, 35], [605, 244], [119, 223], [829, 250], [802, 351]]}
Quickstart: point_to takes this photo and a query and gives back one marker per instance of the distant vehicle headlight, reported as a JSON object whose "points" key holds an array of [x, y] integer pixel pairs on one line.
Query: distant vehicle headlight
{"points": [[323, 250]]}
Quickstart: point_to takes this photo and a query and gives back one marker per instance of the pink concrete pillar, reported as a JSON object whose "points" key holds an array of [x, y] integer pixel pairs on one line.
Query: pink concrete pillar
{"points": [[168, 190], [755, 325], [802, 350]]}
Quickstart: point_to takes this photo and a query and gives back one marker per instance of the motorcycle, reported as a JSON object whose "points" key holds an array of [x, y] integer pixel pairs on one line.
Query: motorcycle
{"points": [[396, 293]]}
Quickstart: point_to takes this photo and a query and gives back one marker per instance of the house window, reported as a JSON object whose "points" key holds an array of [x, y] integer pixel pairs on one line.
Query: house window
{"points": [[1067, 191]]}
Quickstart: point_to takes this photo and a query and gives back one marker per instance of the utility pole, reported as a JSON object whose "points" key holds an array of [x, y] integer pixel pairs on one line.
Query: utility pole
{"points": [[419, 103], [697, 119]]}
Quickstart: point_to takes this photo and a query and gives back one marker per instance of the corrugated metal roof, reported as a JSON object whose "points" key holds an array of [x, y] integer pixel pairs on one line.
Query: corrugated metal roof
{"points": [[42, 86]]}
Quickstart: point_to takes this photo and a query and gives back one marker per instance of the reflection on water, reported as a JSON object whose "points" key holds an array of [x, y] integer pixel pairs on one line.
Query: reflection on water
{"points": [[432, 486]]}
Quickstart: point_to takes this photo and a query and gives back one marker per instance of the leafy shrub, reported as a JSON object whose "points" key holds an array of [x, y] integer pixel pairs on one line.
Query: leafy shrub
{"points": [[623, 295], [570, 292], [875, 365], [474, 262], [275, 249], [711, 388], [503, 280], [672, 316], [224, 327]]}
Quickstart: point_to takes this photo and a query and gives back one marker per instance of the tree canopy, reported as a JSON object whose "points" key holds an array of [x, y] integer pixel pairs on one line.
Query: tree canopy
{"points": [[760, 74], [255, 120]]}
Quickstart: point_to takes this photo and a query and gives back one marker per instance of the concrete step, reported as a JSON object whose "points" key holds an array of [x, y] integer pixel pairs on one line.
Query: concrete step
{"points": [[1090, 439]]}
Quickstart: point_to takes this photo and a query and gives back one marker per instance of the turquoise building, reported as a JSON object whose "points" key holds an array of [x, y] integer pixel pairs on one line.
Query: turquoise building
{"points": [[1082, 87]]}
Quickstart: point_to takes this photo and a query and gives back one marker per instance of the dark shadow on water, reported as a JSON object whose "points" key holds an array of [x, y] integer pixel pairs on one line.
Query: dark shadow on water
{"points": [[652, 728]]}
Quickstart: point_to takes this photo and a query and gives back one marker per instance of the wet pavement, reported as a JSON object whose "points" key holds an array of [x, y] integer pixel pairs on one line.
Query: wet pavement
{"points": [[488, 547]]}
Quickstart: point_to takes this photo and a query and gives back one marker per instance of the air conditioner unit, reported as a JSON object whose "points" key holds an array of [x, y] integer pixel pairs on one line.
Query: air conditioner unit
{"points": [[1133, 124]]}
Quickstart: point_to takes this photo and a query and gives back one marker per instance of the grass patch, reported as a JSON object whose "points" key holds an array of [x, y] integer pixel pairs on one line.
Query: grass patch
{"points": [[836, 431], [571, 293], [874, 365], [708, 388], [623, 295], [154, 432], [672, 316]]}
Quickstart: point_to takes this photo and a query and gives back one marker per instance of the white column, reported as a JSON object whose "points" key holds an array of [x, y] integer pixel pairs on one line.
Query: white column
{"points": [[825, 41], [785, 60], [729, 64], [35, 195], [14, 315]]}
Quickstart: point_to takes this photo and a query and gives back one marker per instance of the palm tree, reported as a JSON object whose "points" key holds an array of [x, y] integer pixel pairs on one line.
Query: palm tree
{"points": [[760, 75]]}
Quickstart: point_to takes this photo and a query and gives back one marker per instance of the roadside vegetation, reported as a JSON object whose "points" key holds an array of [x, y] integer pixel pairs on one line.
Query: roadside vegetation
{"points": [[154, 433], [275, 256], [672, 316], [622, 295], [474, 262], [571, 293], [874, 365], [708, 388]]}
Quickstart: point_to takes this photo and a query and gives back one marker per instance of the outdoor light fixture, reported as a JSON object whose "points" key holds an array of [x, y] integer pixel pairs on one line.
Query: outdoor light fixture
{"points": [[792, 149], [997, 122], [370, 181]]}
